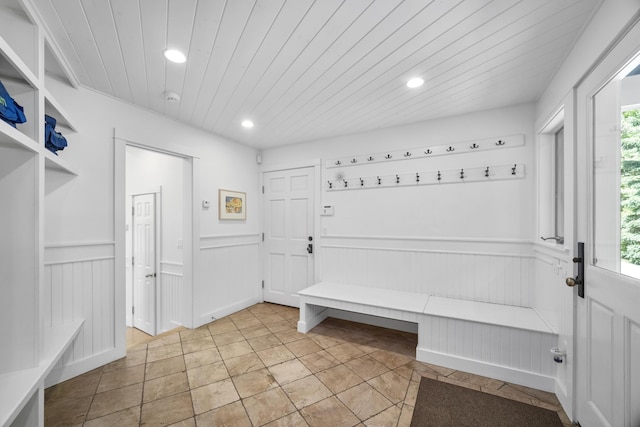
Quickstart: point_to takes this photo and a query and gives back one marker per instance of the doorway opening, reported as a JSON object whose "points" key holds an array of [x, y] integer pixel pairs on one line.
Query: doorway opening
{"points": [[154, 241]]}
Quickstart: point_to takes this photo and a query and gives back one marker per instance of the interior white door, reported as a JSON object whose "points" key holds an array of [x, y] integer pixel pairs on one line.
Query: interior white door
{"points": [[607, 348], [144, 263], [288, 234]]}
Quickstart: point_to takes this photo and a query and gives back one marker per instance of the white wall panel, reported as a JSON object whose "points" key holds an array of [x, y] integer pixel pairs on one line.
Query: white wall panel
{"points": [[502, 278], [229, 277], [81, 289], [171, 299], [517, 349]]}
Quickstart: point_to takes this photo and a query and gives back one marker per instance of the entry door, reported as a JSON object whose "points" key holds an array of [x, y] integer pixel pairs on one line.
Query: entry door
{"points": [[608, 317], [288, 234], [144, 263]]}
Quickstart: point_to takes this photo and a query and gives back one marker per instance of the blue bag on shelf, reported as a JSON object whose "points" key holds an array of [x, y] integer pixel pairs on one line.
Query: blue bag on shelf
{"points": [[10, 111], [53, 140]]}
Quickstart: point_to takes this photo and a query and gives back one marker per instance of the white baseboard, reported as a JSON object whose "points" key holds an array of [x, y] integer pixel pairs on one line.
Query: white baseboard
{"points": [[63, 373], [225, 311], [516, 376]]}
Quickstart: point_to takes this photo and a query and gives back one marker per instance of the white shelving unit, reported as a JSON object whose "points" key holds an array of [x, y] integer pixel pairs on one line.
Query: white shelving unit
{"points": [[30, 349]]}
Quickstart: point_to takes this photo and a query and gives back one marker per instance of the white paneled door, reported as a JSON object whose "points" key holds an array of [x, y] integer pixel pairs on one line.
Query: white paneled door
{"points": [[144, 263], [607, 352], [288, 234]]}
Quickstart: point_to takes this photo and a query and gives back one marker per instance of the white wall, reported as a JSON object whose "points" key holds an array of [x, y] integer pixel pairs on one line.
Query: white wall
{"points": [[81, 233], [469, 240], [473, 210]]}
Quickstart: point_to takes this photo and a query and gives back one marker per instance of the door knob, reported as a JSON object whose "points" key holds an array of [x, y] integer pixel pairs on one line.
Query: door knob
{"points": [[571, 282], [150, 275]]}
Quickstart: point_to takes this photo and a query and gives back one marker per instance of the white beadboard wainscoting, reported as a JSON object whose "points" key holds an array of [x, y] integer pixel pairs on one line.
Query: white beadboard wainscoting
{"points": [[171, 298], [499, 271], [229, 276], [491, 270], [78, 283]]}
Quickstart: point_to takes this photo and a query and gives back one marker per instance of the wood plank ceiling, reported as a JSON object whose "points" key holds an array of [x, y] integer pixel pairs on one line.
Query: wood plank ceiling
{"points": [[308, 69]]}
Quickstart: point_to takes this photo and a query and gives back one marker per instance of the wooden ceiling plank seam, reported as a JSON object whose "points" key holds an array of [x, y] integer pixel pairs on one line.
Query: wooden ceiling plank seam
{"points": [[394, 29], [84, 44], [179, 30], [198, 65], [58, 35], [189, 65], [153, 22], [297, 55], [451, 95], [226, 41], [129, 23], [326, 94], [250, 90], [303, 33], [451, 74], [447, 97], [371, 103], [398, 63], [291, 84], [312, 75], [249, 66], [308, 58], [259, 24], [430, 97], [103, 28]]}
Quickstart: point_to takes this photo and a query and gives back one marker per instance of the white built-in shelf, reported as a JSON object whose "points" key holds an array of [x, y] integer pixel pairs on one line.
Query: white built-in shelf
{"points": [[52, 108], [17, 387], [13, 138], [53, 162], [12, 66]]}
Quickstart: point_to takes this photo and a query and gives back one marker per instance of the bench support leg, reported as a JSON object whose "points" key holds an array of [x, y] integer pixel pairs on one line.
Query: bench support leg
{"points": [[310, 316]]}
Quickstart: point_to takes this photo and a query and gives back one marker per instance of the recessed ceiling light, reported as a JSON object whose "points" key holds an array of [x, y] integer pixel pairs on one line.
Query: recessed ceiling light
{"points": [[175, 56], [415, 82], [247, 123]]}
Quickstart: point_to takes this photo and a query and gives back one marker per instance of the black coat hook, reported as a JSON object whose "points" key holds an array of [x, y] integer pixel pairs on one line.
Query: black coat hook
{"points": [[388, 156], [500, 142], [486, 172], [450, 149], [338, 163], [439, 177], [407, 154], [354, 161], [461, 173], [428, 151], [417, 177], [370, 159], [513, 169], [474, 146], [397, 179], [379, 181], [361, 182]]}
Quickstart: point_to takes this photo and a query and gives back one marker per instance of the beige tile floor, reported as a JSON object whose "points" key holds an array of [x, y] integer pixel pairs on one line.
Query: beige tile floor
{"points": [[253, 368]]}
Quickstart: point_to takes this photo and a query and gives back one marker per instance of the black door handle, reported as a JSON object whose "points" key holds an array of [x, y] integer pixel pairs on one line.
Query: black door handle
{"points": [[310, 248]]}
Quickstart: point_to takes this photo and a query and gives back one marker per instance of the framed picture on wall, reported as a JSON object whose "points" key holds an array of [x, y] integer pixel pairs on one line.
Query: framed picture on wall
{"points": [[232, 204]]}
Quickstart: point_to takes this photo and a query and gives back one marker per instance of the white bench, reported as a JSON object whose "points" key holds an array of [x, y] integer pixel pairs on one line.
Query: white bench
{"points": [[317, 299], [505, 342]]}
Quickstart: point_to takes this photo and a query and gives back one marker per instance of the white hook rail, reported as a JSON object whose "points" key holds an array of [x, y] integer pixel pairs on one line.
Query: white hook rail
{"points": [[432, 177], [496, 143]]}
